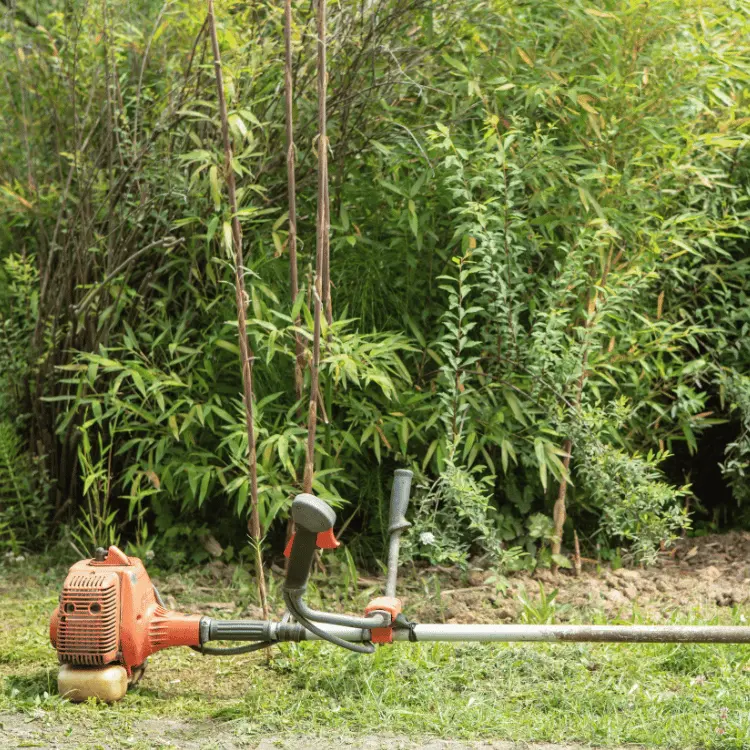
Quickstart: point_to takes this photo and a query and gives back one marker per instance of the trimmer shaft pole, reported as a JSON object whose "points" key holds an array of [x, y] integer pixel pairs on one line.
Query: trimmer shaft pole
{"points": [[583, 633], [394, 545], [558, 633]]}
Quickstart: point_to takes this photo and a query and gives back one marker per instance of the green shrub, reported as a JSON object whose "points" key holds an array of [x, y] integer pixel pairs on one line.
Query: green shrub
{"points": [[24, 509], [538, 209]]}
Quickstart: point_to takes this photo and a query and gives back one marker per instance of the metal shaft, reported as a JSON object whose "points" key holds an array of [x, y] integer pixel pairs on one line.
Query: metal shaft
{"points": [[394, 545], [557, 633], [254, 630]]}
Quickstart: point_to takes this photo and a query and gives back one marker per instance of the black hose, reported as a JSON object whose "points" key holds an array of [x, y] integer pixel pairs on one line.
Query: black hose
{"points": [[231, 650], [357, 648]]}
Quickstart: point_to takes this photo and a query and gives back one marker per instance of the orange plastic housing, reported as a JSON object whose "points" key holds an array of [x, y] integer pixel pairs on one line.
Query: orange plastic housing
{"points": [[108, 613], [389, 604]]}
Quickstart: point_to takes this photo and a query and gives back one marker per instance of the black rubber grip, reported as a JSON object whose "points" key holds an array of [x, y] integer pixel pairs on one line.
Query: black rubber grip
{"points": [[311, 517], [300, 560], [238, 630]]}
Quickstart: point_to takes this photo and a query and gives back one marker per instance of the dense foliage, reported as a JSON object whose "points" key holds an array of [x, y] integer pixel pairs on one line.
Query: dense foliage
{"points": [[539, 261]]}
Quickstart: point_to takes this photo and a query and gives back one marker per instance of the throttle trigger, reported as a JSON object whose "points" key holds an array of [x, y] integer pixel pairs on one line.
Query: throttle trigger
{"points": [[327, 540], [324, 540]]}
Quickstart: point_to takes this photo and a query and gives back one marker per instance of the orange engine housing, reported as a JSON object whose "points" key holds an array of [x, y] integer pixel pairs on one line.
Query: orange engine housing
{"points": [[108, 613]]}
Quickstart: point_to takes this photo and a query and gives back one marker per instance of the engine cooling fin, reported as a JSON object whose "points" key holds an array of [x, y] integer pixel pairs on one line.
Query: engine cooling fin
{"points": [[88, 631]]}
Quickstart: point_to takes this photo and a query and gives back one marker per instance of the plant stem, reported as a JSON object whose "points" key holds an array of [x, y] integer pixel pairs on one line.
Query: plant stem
{"points": [[299, 362], [246, 354], [322, 235], [559, 512], [576, 555], [291, 181]]}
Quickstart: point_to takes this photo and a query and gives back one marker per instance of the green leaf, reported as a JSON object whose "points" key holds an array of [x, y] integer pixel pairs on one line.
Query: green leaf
{"points": [[541, 457], [138, 381], [515, 406], [561, 561], [205, 482], [213, 178], [455, 63], [230, 346], [212, 227], [226, 228]]}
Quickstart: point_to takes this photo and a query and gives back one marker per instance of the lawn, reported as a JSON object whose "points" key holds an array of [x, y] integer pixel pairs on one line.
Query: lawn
{"points": [[672, 696]]}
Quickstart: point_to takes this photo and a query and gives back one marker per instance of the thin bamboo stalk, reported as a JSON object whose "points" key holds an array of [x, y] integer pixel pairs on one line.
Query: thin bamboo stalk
{"points": [[324, 145], [322, 236], [299, 362], [246, 353]]}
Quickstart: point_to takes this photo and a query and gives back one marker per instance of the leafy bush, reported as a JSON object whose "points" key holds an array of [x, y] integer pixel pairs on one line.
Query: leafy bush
{"points": [[736, 468], [538, 209], [637, 506], [24, 512], [25, 507]]}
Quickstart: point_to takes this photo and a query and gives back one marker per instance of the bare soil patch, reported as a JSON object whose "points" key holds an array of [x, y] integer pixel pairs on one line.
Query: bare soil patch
{"points": [[702, 575], [39, 730]]}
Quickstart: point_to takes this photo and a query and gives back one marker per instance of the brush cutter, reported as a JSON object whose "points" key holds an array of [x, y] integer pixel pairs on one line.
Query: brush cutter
{"points": [[110, 618]]}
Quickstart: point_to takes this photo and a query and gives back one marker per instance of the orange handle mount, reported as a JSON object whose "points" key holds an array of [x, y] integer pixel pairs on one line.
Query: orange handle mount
{"points": [[392, 606]]}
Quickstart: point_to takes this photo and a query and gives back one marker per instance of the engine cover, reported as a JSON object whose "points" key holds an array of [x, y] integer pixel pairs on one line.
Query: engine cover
{"points": [[88, 621], [108, 614]]}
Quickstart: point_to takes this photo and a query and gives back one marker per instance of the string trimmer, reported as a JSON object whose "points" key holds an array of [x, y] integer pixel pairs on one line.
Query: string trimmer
{"points": [[111, 618]]}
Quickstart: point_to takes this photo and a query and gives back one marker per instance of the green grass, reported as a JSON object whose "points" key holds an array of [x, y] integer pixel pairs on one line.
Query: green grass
{"points": [[676, 696]]}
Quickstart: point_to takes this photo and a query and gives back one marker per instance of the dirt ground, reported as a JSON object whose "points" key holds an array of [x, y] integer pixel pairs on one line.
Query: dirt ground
{"points": [[23, 731], [703, 573]]}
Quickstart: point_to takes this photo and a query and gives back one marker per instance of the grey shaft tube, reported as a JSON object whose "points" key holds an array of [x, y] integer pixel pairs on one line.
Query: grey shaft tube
{"points": [[249, 630], [578, 633], [397, 523], [553, 633]]}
